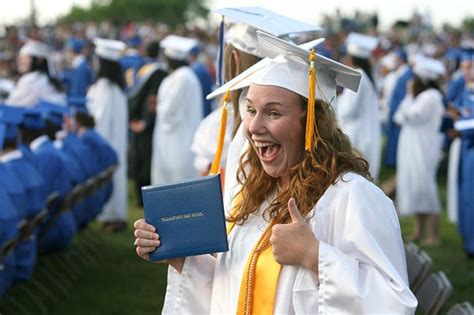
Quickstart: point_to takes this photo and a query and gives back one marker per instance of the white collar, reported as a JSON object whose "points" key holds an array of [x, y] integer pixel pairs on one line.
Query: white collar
{"points": [[35, 144], [10, 156], [78, 60]]}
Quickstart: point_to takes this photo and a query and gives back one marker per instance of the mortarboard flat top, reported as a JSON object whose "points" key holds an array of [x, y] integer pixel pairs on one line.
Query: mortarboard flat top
{"points": [[287, 66], [35, 49], [32, 119], [53, 112], [361, 45], [178, 47], [10, 117], [428, 68], [243, 35], [267, 21], [11, 114], [109, 49]]}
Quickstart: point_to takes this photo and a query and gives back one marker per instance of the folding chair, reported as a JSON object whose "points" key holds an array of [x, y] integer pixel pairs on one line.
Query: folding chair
{"points": [[419, 265], [464, 308], [434, 292]]}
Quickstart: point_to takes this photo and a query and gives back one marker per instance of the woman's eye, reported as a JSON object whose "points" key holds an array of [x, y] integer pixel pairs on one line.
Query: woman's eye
{"points": [[250, 110], [274, 114]]}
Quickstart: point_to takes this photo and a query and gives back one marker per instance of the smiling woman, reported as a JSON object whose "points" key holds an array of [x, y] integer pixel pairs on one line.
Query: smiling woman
{"points": [[304, 233]]}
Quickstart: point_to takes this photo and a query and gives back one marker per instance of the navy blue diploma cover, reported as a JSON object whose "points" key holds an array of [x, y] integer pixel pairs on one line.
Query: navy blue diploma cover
{"points": [[189, 217]]}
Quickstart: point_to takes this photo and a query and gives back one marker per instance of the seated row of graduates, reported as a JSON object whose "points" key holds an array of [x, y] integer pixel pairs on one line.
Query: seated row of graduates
{"points": [[44, 150]]}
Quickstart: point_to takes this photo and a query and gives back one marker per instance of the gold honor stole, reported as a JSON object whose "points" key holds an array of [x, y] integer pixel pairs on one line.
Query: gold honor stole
{"points": [[260, 278]]}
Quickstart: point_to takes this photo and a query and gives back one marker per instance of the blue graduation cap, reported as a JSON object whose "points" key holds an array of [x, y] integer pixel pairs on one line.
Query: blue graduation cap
{"points": [[53, 112], [10, 117], [77, 104], [2, 134], [134, 41], [33, 119], [75, 44], [467, 53]]}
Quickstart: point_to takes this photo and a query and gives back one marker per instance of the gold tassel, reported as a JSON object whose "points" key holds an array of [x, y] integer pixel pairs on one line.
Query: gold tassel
{"points": [[220, 142], [311, 100]]}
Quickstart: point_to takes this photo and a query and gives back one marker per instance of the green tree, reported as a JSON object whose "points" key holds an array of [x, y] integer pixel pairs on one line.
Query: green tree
{"points": [[172, 12]]}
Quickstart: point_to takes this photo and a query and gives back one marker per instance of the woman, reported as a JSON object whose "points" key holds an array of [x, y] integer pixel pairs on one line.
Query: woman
{"points": [[419, 149], [36, 81], [178, 113], [305, 229], [108, 105], [358, 113]]}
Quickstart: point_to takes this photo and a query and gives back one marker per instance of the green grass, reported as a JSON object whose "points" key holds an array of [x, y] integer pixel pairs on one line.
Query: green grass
{"points": [[122, 283]]}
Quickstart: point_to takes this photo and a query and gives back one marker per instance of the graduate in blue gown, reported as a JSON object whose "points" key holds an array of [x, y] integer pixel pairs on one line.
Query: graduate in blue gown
{"points": [[75, 154], [9, 218], [25, 187], [405, 73], [57, 179], [465, 106], [104, 154], [132, 60], [8, 231], [79, 77], [204, 76]]}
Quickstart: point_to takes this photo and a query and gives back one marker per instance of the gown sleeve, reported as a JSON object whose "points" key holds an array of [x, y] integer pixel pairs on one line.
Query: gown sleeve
{"points": [[189, 292], [416, 111], [362, 264]]}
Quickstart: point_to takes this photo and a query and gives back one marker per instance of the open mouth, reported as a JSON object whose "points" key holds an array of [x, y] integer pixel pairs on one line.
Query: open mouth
{"points": [[267, 151]]}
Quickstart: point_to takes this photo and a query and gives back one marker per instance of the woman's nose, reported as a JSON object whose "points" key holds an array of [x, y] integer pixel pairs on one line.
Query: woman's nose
{"points": [[257, 125]]}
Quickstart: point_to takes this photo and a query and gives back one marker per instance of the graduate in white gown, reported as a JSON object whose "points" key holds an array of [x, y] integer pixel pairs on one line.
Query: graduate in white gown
{"points": [[358, 113], [419, 148], [178, 113], [108, 105], [37, 80], [309, 232]]}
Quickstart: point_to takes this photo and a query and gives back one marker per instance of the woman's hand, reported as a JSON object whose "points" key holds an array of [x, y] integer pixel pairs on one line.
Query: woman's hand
{"points": [[294, 243], [147, 240]]}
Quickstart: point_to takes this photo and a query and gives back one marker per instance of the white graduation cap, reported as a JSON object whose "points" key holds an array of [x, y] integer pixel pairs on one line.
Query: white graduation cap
{"points": [[297, 69], [361, 45], [389, 61], [109, 49], [178, 47], [243, 34], [428, 68], [35, 49], [287, 66]]}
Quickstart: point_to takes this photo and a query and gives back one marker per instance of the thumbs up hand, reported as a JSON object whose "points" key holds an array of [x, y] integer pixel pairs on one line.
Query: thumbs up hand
{"points": [[294, 243]]}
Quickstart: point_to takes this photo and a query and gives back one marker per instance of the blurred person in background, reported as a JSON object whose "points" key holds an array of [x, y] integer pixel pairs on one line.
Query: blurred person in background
{"points": [[419, 149], [37, 78], [108, 105]]}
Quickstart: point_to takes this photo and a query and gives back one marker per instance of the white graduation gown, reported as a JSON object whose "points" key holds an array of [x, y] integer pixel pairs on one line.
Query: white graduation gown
{"points": [[453, 173], [419, 152], [359, 118], [107, 103], [362, 264], [389, 82], [33, 87], [179, 111], [205, 141]]}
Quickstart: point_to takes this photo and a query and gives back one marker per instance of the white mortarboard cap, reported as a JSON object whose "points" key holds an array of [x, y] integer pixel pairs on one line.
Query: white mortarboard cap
{"points": [[243, 36], [177, 47], [428, 68], [109, 49], [389, 61], [35, 49], [361, 45], [287, 66]]}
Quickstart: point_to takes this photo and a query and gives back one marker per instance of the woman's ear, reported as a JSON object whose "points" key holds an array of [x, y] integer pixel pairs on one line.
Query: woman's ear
{"points": [[236, 58]]}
